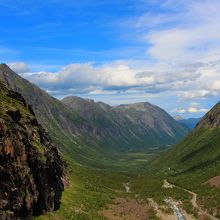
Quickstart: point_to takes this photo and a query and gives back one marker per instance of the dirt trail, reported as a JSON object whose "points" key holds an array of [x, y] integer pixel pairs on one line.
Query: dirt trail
{"points": [[193, 201]]}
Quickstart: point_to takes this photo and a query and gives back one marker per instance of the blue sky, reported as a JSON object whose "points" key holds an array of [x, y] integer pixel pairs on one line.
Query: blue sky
{"points": [[165, 52]]}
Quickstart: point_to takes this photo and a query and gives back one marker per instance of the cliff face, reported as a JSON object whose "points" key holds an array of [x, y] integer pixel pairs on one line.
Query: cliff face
{"points": [[31, 168]]}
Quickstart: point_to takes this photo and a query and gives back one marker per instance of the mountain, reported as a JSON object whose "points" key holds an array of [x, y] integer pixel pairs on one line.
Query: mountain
{"points": [[138, 126], [190, 123], [194, 163], [95, 133], [154, 119], [31, 169], [178, 117]]}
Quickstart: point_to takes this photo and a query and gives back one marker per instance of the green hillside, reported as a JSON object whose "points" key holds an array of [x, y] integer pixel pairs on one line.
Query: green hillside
{"points": [[193, 162], [199, 150]]}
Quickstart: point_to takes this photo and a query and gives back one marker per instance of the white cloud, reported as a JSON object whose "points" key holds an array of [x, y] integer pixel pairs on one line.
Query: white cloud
{"points": [[169, 44], [115, 76], [193, 32], [190, 110], [195, 110], [216, 85], [102, 92], [198, 94], [179, 110], [19, 67]]}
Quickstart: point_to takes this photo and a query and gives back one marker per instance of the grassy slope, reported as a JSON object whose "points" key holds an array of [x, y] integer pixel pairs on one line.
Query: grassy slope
{"points": [[149, 185], [88, 192], [197, 160], [189, 164]]}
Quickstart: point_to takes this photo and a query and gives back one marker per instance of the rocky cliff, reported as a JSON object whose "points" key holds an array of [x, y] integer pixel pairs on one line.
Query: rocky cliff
{"points": [[211, 119], [31, 168]]}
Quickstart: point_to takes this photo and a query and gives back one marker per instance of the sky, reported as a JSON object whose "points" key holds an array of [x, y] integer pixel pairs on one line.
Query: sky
{"points": [[165, 52]]}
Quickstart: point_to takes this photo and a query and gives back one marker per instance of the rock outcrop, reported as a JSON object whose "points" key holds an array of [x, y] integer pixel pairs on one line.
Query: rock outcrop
{"points": [[211, 119], [31, 168]]}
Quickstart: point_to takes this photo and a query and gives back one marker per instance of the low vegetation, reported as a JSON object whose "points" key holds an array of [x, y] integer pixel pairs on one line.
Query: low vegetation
{"points": [[88, 192]]}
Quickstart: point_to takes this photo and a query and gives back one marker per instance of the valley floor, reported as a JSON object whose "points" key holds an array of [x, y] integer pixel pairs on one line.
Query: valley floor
{"points": [[105, 195], [138, 193]]}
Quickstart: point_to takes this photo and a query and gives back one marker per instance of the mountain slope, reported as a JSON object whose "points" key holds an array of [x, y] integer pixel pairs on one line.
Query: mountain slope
{"points": [[201, 146], [195, 161], [31, 168], [95, 133], [128, 127], [189, 122], [154, 119]]}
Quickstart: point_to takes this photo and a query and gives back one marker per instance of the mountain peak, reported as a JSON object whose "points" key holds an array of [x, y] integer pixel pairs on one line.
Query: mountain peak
{"points": [[3, 65]]}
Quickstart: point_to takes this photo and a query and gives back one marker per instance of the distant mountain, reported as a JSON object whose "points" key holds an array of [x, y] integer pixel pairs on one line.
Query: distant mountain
{"points": [[155, 118], [178, 118], [95, 133], [189, 122], [31, 169], [195, 161], [138, 126]]}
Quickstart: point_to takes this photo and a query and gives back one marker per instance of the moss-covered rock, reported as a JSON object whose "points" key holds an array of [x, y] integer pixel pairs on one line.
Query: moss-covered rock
{"points": [[31, 168]]}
